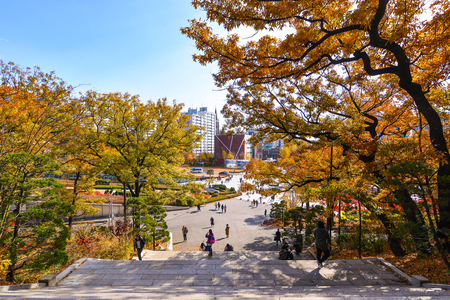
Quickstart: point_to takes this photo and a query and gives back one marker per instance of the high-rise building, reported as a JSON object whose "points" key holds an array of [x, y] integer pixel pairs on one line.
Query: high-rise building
{"points": [[208, 122]]}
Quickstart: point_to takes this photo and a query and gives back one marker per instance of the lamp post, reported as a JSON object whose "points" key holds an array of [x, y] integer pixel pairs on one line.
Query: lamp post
{"points": [[125, 203]]}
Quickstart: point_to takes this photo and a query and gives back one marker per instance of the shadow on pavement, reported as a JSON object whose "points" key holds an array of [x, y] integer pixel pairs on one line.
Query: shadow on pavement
{"points": [[255, 221], [261, 244]]}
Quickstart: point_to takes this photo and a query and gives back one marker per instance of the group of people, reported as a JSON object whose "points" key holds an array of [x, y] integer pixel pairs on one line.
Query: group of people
{"points": [[209, 238], [323, 245], [223, 207]]}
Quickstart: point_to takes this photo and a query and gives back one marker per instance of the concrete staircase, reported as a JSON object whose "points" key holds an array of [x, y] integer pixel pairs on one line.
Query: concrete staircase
{"points": [[225, 275], [233, 269]]}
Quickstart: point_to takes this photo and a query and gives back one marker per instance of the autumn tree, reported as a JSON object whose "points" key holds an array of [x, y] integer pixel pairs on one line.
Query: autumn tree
{"points": [[37, 111], [140, 144], [386, 42]]}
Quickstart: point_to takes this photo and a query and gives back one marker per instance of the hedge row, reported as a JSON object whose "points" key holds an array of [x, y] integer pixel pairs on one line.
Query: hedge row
{"points": [[217, 198]]}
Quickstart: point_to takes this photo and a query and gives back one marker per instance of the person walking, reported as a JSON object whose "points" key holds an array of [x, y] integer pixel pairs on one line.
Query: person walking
{"points": [[225, 208], [265, 212], [227, 230], [212, 221], [323, 243], [184, 230], [139, 243], [198, 207], [222, 207], [210, 240], [215, 205], [278, 236]]}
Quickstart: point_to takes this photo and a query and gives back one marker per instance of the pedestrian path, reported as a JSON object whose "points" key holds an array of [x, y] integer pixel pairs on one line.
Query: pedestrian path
{"points": [[225, 275]]}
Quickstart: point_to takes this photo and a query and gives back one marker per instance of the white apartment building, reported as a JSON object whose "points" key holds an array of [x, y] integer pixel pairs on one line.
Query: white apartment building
{"points": [[207, 121]]}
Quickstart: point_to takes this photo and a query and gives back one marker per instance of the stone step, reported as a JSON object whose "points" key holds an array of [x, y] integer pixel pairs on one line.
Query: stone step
{"points": [[225, 292], [233, 269], [218, 255], [237, 275]]}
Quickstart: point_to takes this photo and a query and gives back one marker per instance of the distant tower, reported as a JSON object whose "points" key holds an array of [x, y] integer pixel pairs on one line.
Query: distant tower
{"points": [[206, 121], [217, 123]]}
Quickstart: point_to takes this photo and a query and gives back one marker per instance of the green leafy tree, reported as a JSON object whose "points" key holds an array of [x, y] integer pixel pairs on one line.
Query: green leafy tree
{"points": [[158, 226], [149, 220], [279, 212], [35, 238]]}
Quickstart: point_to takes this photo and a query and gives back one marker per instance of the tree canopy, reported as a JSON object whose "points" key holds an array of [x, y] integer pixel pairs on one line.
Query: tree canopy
{"points": [[368, 77]]}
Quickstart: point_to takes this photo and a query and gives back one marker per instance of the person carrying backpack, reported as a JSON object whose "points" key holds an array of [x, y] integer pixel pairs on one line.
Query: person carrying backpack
{"points": [[185, 231], [210, 240]]}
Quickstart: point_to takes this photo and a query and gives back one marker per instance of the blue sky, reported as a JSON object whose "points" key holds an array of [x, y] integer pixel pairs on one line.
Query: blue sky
{"points": [[132, 46]]}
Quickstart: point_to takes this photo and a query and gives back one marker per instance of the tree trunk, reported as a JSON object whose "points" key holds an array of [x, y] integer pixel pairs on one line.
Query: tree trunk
{"points": [[415, 90], [13, 247], [394, 243], [416, 223], [74, 199]]}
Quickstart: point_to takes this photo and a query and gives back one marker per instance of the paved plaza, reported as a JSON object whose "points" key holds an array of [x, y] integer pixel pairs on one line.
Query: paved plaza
{"points": [[245, 221]]}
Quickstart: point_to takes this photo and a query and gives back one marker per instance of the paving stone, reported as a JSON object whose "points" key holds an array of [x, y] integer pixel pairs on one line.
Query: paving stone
{"points": [[122, 276], [143, 271], [179, 271], [195, 277], [171, 282], [133, 282], [98, 282]]}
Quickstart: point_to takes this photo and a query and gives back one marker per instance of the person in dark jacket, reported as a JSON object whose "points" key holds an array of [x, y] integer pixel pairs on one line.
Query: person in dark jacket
{"points": [[228, 247], [297, 248], [323, 243], [139, 243], [278, 236], [285, 252]]}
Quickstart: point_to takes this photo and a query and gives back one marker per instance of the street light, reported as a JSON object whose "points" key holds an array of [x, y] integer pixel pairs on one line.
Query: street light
{"points": [[111, 213]]}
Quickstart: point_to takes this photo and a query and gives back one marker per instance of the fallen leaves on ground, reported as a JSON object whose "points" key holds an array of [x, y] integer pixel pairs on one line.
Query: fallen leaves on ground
{"points": [[432, 266]]}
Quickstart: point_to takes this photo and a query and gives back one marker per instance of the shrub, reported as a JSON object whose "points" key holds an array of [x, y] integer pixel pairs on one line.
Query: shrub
{"points": [[94, 242], [190, 202], [114, 248], [221, 187], [178, 202]]}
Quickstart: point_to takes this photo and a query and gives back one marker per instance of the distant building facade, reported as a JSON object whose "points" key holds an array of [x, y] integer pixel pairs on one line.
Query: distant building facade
{"points": [[269, 150], [237, 144], [266, 151], [208, 123]]}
